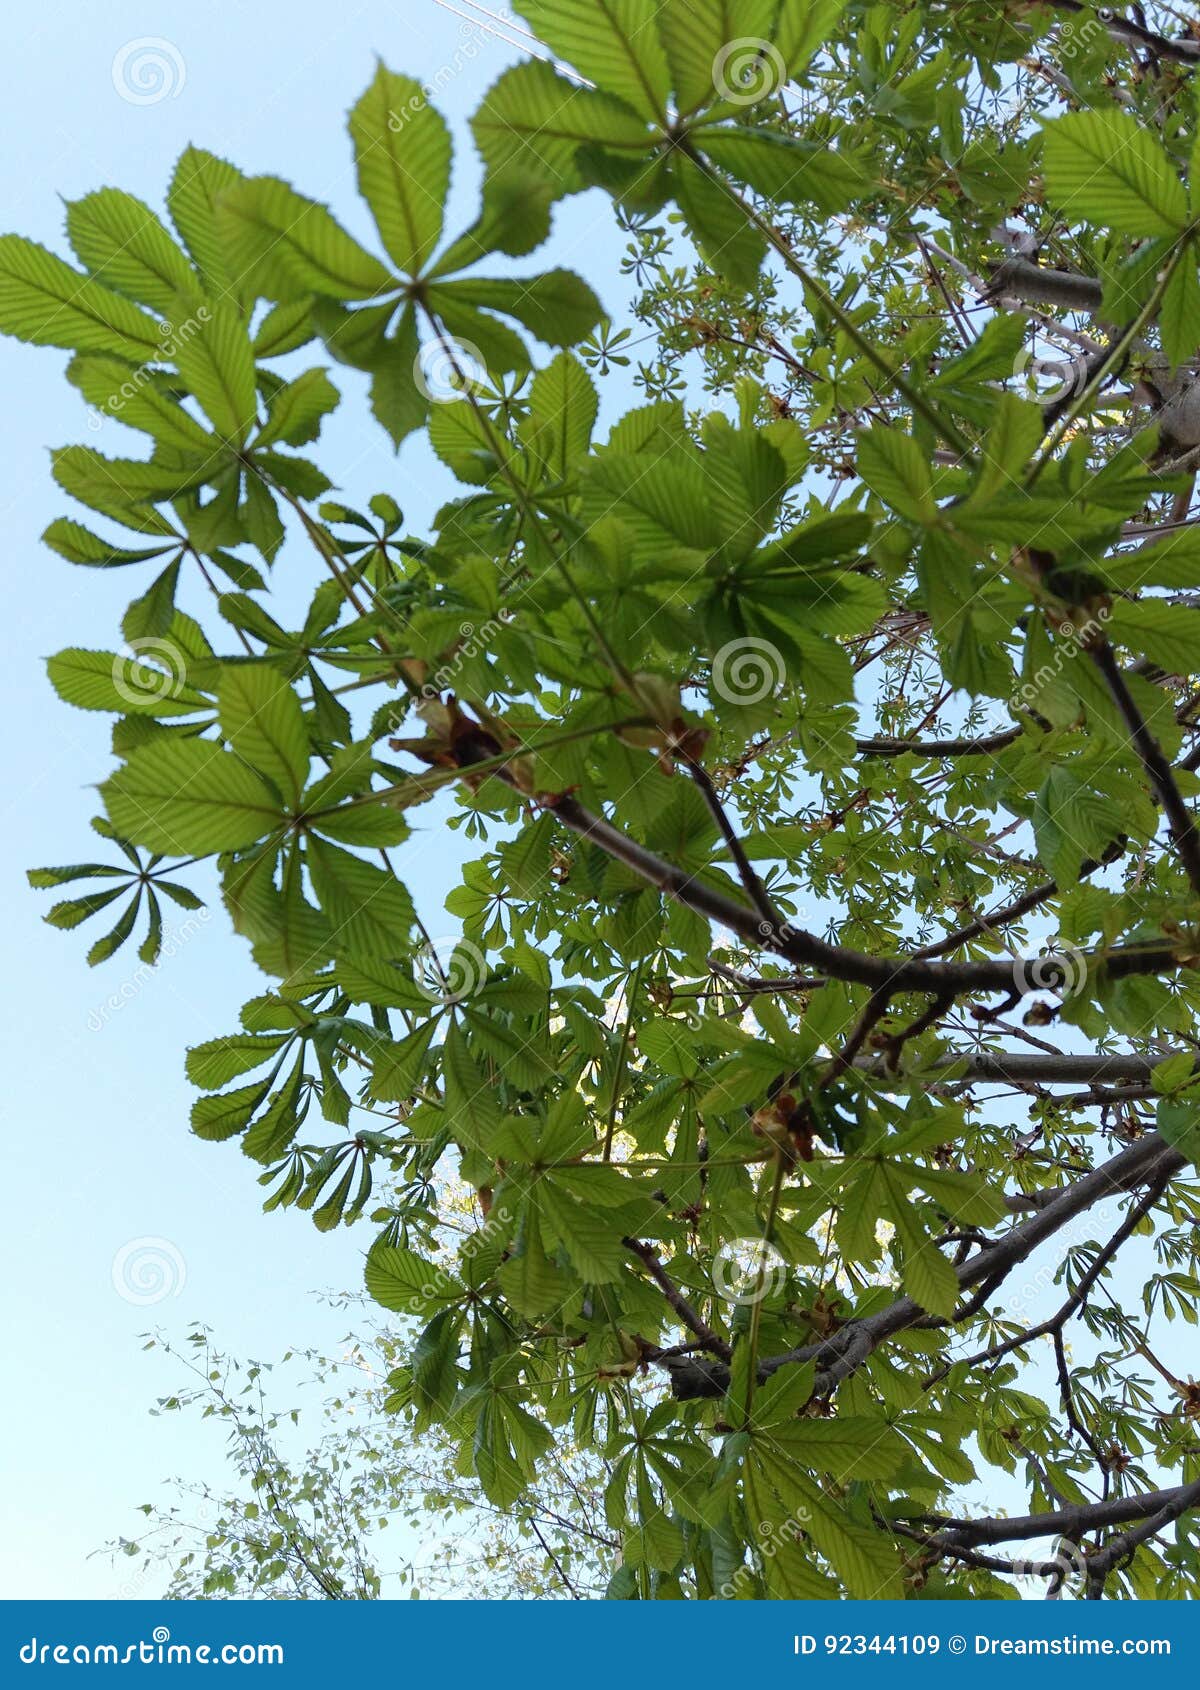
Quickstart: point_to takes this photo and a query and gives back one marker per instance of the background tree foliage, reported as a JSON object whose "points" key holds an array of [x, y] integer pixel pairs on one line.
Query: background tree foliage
{"points": [[309, 1519], [822, 1029]]}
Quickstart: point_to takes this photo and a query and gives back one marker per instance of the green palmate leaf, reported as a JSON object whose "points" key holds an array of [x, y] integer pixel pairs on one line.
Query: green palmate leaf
{"points": [[370, 912], [116, 936], [672, 503], [744, 631], [477, 343], [220, 1117], [1011, 440], [123, 487], [72, 911], [363, 824], [718, 225], [406, 1283], [471, 1108], [536, 121], [850, 1446], [79, 545], [402, 151], [107, 680], [1173, 561], [284, 328], [697, 37], [1105, 166], [559, 306], [514, 217], [788, 172], [894, 466], [44, 301], [563, 405], [125, 246], [801, 28], [593, 1245], [130, 396], [216, 362], [782, 1497], [287, 246], [200, 179], [214, 1064], [1165, 633], [261, 718], [507, 1442], [1180, 315], [296, 412], [1178, 1120], [614, 44], [399, 401], [461, 439], [149, 617], [929, 1278], [269, 1136], [189, 798]]}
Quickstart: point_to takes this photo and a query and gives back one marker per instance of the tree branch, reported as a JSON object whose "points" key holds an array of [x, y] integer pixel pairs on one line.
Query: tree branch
{"points": [[897, 974], [1179, 817], [675, 1297], [841, 1354]]}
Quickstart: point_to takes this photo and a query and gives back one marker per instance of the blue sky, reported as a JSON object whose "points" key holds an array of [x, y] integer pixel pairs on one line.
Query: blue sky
{"points": [[95, 1104]]}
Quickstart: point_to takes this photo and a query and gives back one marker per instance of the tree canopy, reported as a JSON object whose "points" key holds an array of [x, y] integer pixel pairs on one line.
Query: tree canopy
{"points": [[819, 1051]]}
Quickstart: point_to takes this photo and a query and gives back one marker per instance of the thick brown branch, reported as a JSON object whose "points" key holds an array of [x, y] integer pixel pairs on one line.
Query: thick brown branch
{"points": [[840, 1355], [1089, 1067], [885, 746], [675, 1297], [1182, 50], [897, 974], [1077, 1520], [1172, 1505]]}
